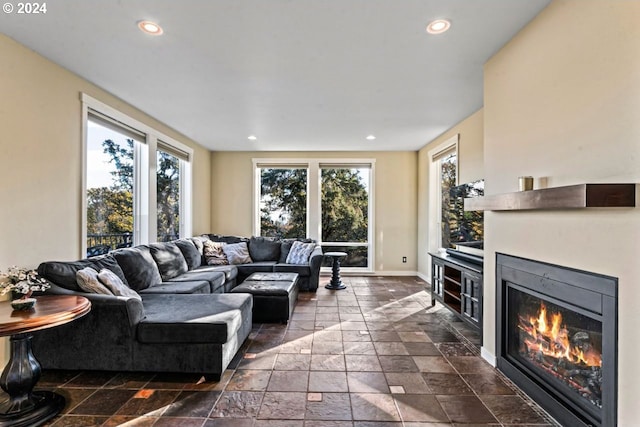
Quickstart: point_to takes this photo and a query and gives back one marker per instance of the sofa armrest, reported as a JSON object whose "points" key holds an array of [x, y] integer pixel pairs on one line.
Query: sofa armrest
{"points": [[132, 307], [315, 262]]}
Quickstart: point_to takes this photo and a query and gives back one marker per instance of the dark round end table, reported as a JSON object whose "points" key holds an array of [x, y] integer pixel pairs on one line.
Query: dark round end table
{"points": [[336, 283], [25, 407]]}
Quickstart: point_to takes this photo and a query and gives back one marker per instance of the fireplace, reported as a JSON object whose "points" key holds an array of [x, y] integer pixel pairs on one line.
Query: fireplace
{"points": [[558, 338]]}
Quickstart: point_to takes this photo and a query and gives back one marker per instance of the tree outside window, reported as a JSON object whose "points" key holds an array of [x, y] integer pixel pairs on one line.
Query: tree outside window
{"points": [[168, 197], [344, 208]]}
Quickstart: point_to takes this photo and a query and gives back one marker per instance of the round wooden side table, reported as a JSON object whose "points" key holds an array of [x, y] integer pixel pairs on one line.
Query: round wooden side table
{"points": [[25, 407], [336, 283]]}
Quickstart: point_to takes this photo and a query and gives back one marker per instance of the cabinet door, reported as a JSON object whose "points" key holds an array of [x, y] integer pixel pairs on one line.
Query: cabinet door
{"points": [[471, 296], [437, 277]]}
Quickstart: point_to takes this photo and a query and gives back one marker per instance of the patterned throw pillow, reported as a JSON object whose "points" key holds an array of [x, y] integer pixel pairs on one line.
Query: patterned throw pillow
{"points": [[300, 253], [237, 253], [214, 254], [116, 285], [87, 280]]}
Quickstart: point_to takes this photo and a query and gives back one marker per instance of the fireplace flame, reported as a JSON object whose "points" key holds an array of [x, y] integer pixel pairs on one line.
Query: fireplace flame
{"points": [[548, 336]]}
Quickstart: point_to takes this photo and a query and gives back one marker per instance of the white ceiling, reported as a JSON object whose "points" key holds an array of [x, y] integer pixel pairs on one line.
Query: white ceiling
{"points": [[299, 74]]}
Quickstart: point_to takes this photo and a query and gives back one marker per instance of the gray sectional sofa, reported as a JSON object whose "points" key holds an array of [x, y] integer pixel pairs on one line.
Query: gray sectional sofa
{"points": [[184, 321]]}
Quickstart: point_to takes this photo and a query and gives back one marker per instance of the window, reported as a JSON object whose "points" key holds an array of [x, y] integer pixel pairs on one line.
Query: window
{"points": [[448, 167], [131, 197], [442, 176], [283, 201], [345, 213], [168, 196], [110, 184], [328, 201]]}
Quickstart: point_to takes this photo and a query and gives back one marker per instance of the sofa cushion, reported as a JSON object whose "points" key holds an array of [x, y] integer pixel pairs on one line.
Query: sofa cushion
{"points": [[237, 253], [264, 249], [113, 283], [226, 239], [302, 270], [215, 279], [285, 247], [169, 258], [213, 253], [230, 271], [138, 266], [186, 287], [193, 318], [88, 281], [63, 273], [245, 270], [191, 254], [300, 253]]}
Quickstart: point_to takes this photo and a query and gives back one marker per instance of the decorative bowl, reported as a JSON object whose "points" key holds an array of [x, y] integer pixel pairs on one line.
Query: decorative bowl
{"points": [[23, 304]]}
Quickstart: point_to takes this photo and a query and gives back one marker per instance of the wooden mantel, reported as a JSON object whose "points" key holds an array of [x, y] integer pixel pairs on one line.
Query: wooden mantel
{"points": [[569, 197]]}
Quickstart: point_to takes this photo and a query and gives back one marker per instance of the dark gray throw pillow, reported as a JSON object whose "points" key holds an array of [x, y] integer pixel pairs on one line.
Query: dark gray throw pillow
{"points": [[169, 259], [264, 249], [190, 253], [138, 266]]}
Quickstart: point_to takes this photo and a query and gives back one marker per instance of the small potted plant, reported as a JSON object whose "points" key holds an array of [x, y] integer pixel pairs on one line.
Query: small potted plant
{"points": [[22, 283]]}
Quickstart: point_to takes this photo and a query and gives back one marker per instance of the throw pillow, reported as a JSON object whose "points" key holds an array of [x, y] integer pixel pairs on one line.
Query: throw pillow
{"points": [[237, 253], [300, 252], [138, 266], [213, 253], [198, 241], [87, 280], [111, 281], [190, 253], [169, 259], [264, 249], [286, 247]]}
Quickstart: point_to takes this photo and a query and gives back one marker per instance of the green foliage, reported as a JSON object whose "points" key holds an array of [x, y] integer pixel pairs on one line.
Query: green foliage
{"points": [[110, 209], [344, 200], [449, 169], [168, 187], [284, 199], [345, 203], [122, 158]]}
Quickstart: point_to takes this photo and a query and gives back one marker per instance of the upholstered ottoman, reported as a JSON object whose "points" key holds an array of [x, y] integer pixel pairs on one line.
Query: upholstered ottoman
{"points": [[274, 295]]}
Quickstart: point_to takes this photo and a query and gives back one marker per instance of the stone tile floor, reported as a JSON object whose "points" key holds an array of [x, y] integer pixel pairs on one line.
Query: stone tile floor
{"points": [[373, 355]]}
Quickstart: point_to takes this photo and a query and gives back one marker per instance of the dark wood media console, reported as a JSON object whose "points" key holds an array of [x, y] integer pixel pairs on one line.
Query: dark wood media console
{"points": [[457, 284]]}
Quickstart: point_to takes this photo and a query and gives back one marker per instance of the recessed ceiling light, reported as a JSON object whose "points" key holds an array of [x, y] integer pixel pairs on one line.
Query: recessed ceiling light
{"points": [[252, 137], [438, 26], [150, 27], [371, 137]]}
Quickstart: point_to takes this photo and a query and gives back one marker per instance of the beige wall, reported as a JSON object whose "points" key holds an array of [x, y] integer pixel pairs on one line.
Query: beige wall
{"points": [[562, 102], [41, 158], [470, 168], [395, 200]]}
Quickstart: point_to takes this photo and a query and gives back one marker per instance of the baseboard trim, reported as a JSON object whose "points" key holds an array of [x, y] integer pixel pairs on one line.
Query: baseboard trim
{"points": [[424, 277], [489, 357], [374, 273], [395, 273]]}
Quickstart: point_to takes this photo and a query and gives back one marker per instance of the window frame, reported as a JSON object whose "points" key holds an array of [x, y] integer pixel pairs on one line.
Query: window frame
{"points": [[314, 208], [144, 171]]}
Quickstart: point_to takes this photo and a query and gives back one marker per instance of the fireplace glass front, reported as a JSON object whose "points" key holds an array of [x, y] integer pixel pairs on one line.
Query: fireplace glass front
{"points": [[559, 345], [558, 338]]}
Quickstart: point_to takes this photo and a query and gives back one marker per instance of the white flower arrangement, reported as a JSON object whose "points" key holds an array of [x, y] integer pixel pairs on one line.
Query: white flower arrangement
{"points": [[21, 280]]}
